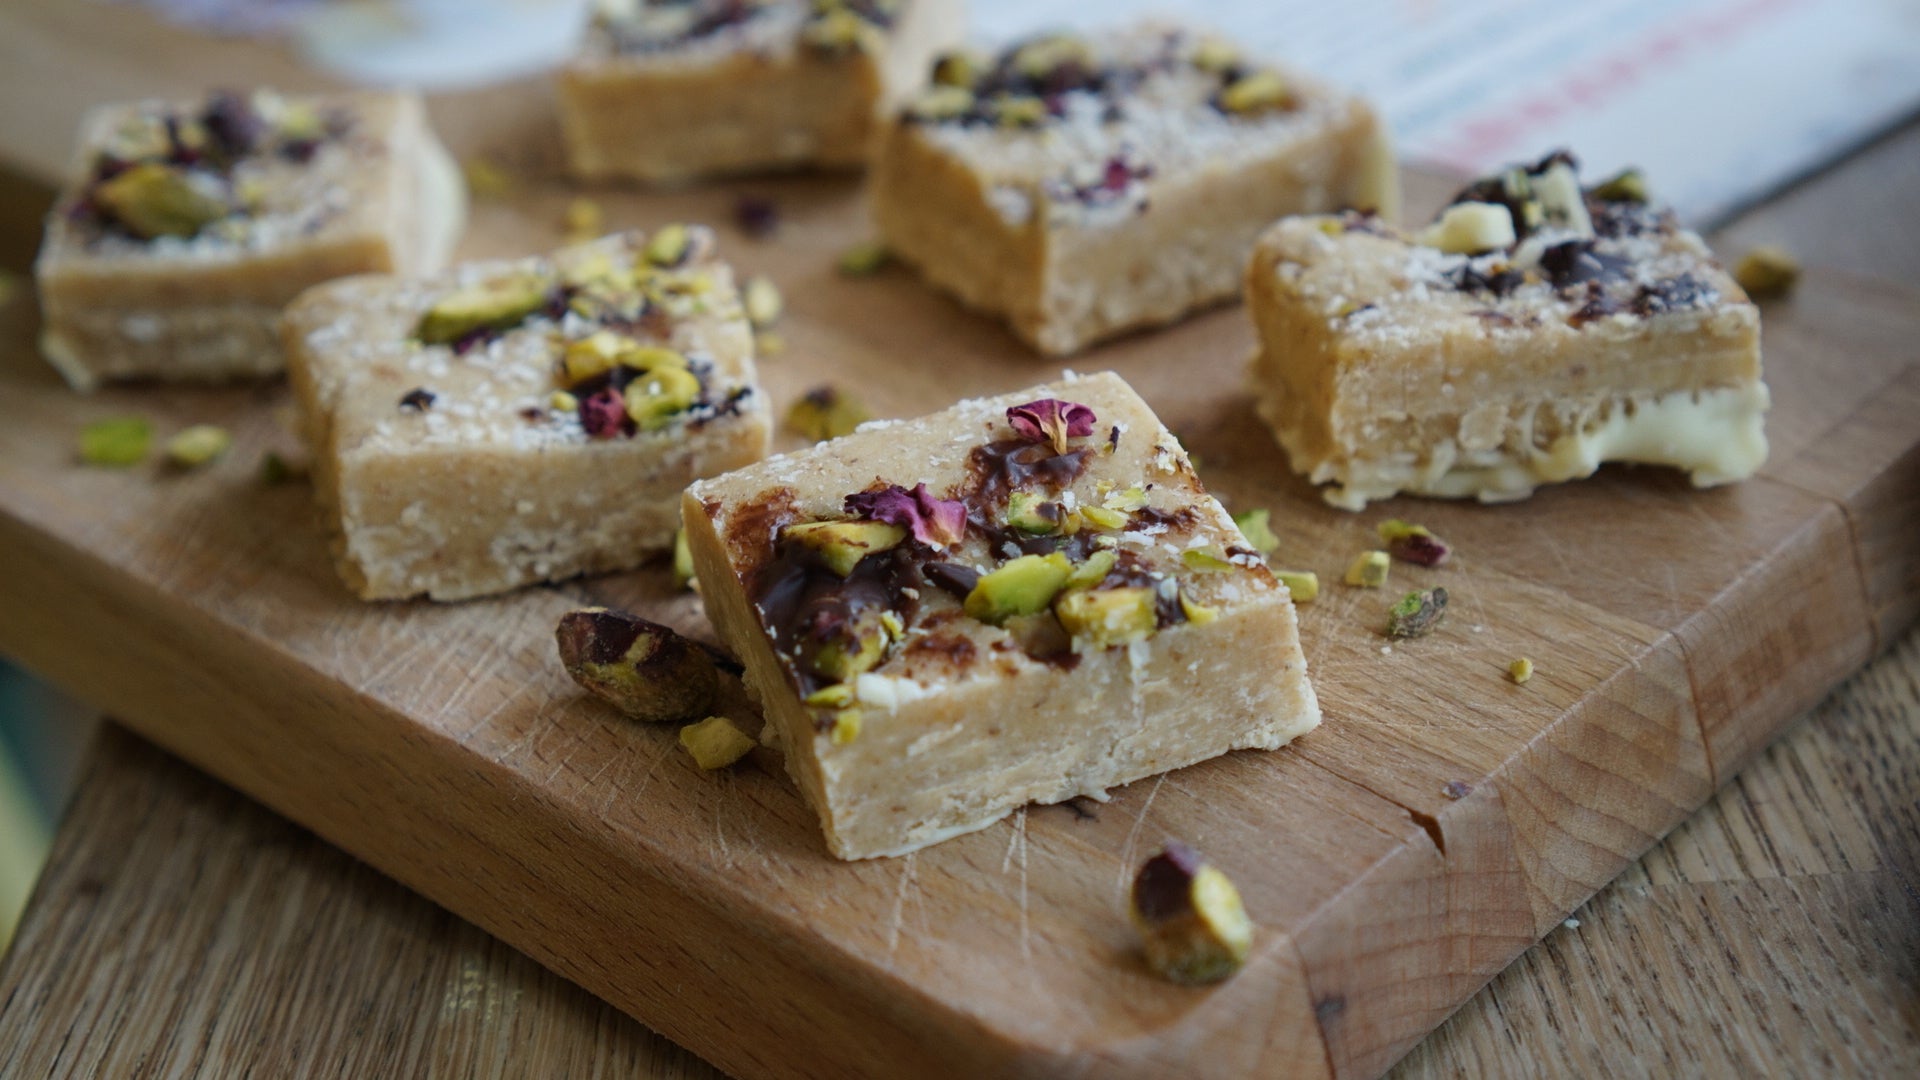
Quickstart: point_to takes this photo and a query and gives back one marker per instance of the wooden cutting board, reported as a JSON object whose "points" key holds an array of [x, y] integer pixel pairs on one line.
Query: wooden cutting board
{"points": [[1395, 859]]}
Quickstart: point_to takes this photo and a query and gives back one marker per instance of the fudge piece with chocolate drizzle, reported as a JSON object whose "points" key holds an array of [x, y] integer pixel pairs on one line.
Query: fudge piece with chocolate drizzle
{"points": [[194, 224], [1534, 331], [672, 90], [518, 421], [1081, 187], [1021, 599]]}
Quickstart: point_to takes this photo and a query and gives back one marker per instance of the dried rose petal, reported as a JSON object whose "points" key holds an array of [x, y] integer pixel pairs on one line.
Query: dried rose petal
{"points": [[1051, 420], [604, 414], [933, 521]]}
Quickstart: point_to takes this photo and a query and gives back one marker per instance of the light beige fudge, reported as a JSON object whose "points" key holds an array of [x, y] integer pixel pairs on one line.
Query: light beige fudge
{"points": [[195, 224], [1025, 598], [673, 90], [519, 421], [1533, 332], [1081, 187]]}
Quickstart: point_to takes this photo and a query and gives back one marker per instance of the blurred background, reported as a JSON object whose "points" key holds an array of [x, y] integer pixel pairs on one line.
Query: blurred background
{"points": [[1721, 102]]}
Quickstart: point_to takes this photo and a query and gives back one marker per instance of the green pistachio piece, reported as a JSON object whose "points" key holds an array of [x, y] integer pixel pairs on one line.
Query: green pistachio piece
{"points": [[1207, 560], [1520, 671], [1303, 584], [842, 544], [1093, 571], [1017, 110], [836, 696], [715, 742], [1197, 613], [846, 726], [1103, 519], [656, 396], [761, 300], [1216, 56], [960, 69], [500, 304], [669, 246], [152, 200], [1191, 921], [196, 446], [938, 103], [1255, 526], [1033, 514], [122, 440], [1767, 272], [1021, 586], [1105, 617], [1127, 500], [1369, 569], [843, 30], [1629, 186], [856, 648], [826, 412], [863, 260], [1258, 92], [1043, 56]]}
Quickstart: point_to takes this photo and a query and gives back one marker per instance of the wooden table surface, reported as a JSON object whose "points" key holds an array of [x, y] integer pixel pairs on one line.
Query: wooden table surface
{"points": [[182, 930]]}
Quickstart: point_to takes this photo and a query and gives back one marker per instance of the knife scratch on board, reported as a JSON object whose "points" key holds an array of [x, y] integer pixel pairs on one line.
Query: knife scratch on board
{"points": [[907, 882], [1017, 845], [1125, 876]]}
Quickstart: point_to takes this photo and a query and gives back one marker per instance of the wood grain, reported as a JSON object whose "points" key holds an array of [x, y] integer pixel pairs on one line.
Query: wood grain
{"points": [[1776, 931], [1676, 632]]}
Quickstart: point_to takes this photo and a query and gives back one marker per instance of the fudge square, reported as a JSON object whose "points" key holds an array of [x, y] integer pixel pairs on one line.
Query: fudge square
{"points": [[1020, 599], [669, 90], [1534, 331], [195, 224], [520, 421], [1079, 187]]}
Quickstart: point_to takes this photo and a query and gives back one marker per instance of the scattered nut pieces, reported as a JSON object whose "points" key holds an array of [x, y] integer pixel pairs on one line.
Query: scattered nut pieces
{"points": [[584, 220], [1414, 543], [561, 401], [1417, 613], [648, 671], [826, 412], [120, 441], [1256, 526], [715, 742], [197, 445], [1257, 92], [761, 299], [486, 179], [1303, 584], [1767, 272], [1190, 918], [864, 260], [1369, 569], [1520, 671]]}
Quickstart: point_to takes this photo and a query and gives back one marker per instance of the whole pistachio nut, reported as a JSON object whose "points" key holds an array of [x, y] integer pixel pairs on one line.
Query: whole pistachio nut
{"points": [[648, 671], [1191, 921]]}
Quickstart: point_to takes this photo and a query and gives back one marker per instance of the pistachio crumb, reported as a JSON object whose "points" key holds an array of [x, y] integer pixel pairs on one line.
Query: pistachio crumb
{"points": [[1767, 272], [1417, 613], [119, 441], [1520, 671], [561, 401], [584, 220], [197, 446], [826, 412], [846, 726], [1206, 560], [1256, 526], [715, 742], [1303, 584], [761, 299], [1369, 569], [864, 259]]}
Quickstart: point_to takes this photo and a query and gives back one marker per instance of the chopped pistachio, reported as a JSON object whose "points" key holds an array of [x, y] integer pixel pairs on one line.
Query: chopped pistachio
{"points": [[584, 219], [1032, 513], [857, 646], [682, 560], [669, 245], [1215, 55], [761, 299], [715, 742], [645, 670], [937, 103], [152, 199], [1369, 569], [1017, 110], [1767, 272], [490, 305], [835, 696], [1413, 543], [1020, 586], [561, 401], [1257, 92], [1127, 500], [1630, 185], [1256, 526], [961, 68], [1190, 917], [122, 440], [846, 726], [1197, 613], [1107, 617], [842, 544], [864, 259], [1417, 613], [826, 412], [1520, 671], [1304, 585], [1093, 571], [842, 29], [1207, 560], [1044, 55], [196, 446], [1102, 518], [487, 180], [654, 398], [1332, 226], [768, 343], [591, 357]]}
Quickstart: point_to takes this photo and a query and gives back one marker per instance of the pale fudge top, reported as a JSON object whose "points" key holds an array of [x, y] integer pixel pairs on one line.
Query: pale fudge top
{"points": [[692, 33], [1522, 252], [1089, 124], [1039, 528], [228, 177], [626, 337]]}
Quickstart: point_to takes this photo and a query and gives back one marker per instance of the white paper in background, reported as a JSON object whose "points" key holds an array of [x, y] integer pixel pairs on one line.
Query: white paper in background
{"points": [[1720, 101]]}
